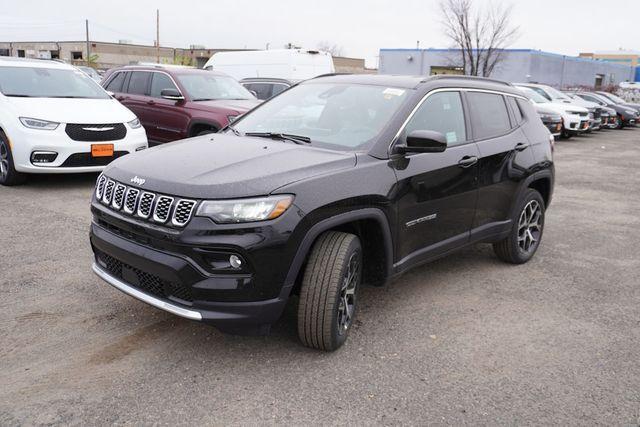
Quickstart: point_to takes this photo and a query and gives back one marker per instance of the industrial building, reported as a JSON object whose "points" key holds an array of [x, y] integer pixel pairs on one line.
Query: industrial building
{"points": [[105, 55], [517, 65]]}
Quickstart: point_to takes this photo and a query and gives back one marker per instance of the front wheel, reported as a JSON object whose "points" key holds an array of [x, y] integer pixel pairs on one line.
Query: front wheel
{"points": [[526, 233], [329, 289], [8, 174]]}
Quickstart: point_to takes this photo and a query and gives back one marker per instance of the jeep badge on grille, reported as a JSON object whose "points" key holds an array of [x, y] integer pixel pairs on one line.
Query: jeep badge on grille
{"points": [[138, 181]]}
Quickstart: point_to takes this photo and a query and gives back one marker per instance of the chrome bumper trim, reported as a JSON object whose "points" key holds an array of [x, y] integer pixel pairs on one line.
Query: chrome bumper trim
{"points": [[156, 302]]}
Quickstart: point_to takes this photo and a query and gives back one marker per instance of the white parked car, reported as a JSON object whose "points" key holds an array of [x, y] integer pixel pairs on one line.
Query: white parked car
{"points": [[575, 119], [55, 119]]}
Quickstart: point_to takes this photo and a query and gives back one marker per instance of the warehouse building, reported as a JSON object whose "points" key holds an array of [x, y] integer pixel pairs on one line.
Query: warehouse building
{"points": [[518, 65], [105, 55]]}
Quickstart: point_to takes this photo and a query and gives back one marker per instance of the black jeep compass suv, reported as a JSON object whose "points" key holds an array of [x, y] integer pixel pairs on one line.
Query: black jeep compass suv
{"points": [[339, 181]]}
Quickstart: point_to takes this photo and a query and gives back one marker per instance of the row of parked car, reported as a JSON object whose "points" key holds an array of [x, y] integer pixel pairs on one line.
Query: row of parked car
{"points": [[571, 113], [45, 129]]}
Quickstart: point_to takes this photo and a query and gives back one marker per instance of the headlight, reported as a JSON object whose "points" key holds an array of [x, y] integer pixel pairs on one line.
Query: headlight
{"points": [[632, 112], [135, 123], [38, 124], [245, 210]]}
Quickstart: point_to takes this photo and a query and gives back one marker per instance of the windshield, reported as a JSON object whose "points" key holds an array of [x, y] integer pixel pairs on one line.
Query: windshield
{"points": [[90, 71], [335, 115], [615, 98], [556, 94], [48, 83], [533, 95], [207, 86]]}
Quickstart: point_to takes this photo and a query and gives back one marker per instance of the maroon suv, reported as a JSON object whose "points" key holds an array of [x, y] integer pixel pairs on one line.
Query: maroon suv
{"points": [[174, 103]]}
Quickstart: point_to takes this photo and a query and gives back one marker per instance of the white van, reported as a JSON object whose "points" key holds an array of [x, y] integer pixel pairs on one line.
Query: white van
{"points": [[290, 64]]}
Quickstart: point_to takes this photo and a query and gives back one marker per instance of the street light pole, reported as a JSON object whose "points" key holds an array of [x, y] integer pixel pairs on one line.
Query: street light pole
{"points": [[158, 35], [86, 27]]}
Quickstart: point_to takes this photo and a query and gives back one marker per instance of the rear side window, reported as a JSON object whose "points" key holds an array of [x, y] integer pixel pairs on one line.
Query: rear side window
{"points": [[517, 112], [441, 112], [115, 85], [278, 88], [489, 113], [139, 82], [160, 82]]}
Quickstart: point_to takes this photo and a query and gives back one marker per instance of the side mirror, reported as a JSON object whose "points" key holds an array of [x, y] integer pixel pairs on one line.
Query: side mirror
{"points": [[423, 141], [172, 94]]}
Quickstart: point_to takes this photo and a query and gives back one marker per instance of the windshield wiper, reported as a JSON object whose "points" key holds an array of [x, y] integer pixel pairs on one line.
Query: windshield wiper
{"points": [[204, 99], [297, 139], [17, 95]]}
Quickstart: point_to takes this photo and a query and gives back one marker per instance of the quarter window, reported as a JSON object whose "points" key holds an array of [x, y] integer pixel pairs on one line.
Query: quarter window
{"points": [[160, 82], [115, 85], [489, 113], [441, 112], [139, 82], [517, 113]]}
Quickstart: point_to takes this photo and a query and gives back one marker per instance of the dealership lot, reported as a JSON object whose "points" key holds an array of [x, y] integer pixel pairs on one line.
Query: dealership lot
{"points": [[465, 339]]}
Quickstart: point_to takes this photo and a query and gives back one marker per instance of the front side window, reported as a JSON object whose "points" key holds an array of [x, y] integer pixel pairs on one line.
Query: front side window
{"points": [[208, 86], [489, 113], [160, 82], [441, 112], [533, 95], [138, 82], [339, 116], [48, 83]]}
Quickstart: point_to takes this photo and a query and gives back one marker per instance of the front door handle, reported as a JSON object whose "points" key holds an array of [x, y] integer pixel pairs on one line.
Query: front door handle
{"points": [[467, 161], [151, 102], [521, 146]]}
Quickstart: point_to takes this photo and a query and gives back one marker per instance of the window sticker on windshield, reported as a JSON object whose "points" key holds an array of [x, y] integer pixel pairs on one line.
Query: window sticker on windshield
{"points": [[446, 107], [391, 91], [452, 138]]}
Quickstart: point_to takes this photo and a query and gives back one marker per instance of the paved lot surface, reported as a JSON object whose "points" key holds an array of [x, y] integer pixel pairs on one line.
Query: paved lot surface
{"points": [[467, 339]]}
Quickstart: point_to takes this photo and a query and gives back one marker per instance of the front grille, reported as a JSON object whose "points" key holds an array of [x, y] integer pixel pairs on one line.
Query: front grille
{"points": [[96, 133], [144, 281], [150, 206], [79, 160]]}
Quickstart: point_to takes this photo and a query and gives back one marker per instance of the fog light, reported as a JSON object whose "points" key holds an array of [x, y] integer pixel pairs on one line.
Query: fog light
{"points": [[39, 157], [235, 262]]}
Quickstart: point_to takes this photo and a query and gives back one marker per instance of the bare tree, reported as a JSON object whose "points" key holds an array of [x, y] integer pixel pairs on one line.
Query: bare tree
{"points": [[332, 48], [480, 33]]}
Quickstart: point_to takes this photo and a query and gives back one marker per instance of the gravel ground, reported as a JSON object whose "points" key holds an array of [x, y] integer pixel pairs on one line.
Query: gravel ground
{"points": [[466, 339]]}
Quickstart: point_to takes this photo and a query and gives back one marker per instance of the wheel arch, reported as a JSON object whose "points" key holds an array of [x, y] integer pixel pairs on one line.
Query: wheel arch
{"points": [[201, 124], [369, 224], [542, 182]]}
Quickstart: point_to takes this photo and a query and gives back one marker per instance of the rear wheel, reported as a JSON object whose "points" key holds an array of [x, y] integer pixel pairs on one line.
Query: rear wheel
{"points": [[525, 236], [8, 174], [566, 134], [329, 288]]}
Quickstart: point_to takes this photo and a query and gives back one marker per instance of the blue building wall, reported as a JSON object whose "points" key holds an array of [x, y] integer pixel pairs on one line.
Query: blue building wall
{"points": [[518, 65], [638, 74]]}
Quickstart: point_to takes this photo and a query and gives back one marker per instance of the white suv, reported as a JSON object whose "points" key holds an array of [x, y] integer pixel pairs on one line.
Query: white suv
{"points": [[56, 119], [575, 119]]}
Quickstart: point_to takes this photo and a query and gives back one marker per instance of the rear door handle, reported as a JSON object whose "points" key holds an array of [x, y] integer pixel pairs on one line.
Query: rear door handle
{"points": [[151, 102], [467, 161], [120, 98], [521, 146]]}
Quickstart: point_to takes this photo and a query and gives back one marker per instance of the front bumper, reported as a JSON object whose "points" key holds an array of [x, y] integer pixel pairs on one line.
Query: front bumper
{"points": [[169, 268], [72, 156]]}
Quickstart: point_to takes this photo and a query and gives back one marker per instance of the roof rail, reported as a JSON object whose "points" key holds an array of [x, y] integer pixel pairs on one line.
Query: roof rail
{"points": [[464, 77], [330, 75]]}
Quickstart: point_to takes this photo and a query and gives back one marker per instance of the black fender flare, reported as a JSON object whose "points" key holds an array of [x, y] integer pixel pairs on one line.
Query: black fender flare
{"points": [[332, 222], [197, 122], [543, 174]]}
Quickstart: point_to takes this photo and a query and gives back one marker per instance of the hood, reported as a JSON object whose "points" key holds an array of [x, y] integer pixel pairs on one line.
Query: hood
{"points": [[65, 110], [565, 108], [546, 110], [224, 166], [240, 106]]}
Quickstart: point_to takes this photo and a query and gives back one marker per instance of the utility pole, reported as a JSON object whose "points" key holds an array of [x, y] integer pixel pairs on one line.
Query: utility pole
{"points": [[86, 27], [158, 35]]}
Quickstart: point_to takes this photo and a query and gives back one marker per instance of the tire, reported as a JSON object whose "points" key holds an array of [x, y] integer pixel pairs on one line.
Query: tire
{"points": [[620, 124], [206, 132], [328, 294], [565, 134], [526, 233], [8, 174]]}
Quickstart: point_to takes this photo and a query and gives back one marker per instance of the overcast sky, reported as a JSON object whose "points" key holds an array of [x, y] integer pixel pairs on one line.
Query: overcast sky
{"points": [[360, 27]]}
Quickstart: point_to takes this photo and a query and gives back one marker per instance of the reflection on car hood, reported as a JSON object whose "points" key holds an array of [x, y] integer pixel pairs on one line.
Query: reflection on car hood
{"points": [[238, 105], [71, 110], [221, 166]]}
